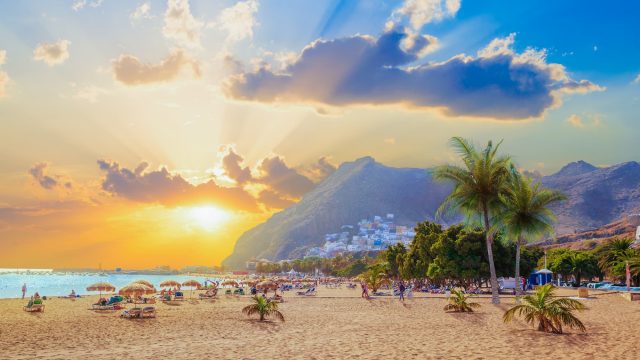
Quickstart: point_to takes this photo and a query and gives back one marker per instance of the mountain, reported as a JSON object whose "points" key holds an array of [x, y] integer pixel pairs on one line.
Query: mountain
{"points": [[576, 168], [597, 196], [356, 190], [363, 188]]}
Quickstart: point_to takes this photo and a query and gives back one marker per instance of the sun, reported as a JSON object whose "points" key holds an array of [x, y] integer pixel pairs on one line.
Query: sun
{"points": [[208, 217]]}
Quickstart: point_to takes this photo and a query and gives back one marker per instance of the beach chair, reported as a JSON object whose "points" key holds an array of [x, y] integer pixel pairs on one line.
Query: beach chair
{"points": [[210, 294], [149, 312], [35, 306], [131, 313], [178, 296], [103, 307], [238, 291], [310, 292]]}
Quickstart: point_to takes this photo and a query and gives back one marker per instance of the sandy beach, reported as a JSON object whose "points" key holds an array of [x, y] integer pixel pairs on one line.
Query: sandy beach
{"points": [[336, 324]]}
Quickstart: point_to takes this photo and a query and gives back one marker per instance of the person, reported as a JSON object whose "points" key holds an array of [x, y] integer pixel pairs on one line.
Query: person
{"points": [[24, 289], [73, 293], [36, 295], [363, 289], [401, 289]]}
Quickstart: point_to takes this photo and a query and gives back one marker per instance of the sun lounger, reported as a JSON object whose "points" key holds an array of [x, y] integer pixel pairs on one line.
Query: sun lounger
{"points": [[310, 292], [178, 296], [35, 306], [149, 312], [210, 294], [131, 313], [104, 307]]}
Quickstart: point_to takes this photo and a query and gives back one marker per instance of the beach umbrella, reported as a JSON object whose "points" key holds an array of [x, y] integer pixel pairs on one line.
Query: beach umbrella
{"points": [[193, 284], [100, 287], [267, 285], [230, 283], [170, 284], [144, 282], [135, 290]]}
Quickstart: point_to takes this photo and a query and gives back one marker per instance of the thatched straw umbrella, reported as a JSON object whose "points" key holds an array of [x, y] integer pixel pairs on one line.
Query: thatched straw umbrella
{"points": [[135, 290], [267, 285], [193, 284], [100, 287], [170, 284], [144, 282], [230, 283]]}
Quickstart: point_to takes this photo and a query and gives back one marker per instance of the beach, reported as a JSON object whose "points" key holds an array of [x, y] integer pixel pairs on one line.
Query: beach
{"points": [[336, 324]]}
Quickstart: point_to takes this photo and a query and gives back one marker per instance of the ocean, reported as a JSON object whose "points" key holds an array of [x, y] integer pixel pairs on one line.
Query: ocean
{"points": [[59, 284]]}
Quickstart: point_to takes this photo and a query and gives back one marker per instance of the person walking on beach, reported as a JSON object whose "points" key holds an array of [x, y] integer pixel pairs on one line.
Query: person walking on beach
{"points": [[365, 291], [24, 289], [401, 289]]}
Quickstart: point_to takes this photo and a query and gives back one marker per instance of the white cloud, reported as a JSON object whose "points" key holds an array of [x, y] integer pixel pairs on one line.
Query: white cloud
{"points": [[499, 83], [238, 20], [180, 25], [80, 4], [575, 120], [637, 79], [52, 54], [129, 70], [595, 120], [89, 93], [421, 12], [141, 12], [4, 78]]}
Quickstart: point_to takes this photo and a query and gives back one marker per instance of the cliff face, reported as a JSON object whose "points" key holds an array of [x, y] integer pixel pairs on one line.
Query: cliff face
{"points": [[356, 190], [363, 188]]}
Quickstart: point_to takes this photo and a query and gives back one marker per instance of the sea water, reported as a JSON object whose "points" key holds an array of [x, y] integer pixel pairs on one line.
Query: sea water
{"points": [[48, 283]]}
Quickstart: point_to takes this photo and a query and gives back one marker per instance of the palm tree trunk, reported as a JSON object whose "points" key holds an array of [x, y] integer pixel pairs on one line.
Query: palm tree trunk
{"points": [[517, 276], [495, 296]]}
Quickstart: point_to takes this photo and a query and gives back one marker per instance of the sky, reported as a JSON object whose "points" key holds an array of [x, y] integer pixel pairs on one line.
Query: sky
{"points": [[144, 133]]}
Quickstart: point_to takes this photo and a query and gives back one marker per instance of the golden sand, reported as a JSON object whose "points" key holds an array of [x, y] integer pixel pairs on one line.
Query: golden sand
{"points": [[336, 324]]}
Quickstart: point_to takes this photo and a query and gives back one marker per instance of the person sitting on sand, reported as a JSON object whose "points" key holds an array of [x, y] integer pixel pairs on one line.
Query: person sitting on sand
{"points": [[73, 293], [30, 303]]}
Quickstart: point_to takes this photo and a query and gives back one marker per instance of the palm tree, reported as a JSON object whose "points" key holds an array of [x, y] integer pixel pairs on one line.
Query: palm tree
{"points": [[524, 212], [264, 308], [458, 302], [613, 253], [476, 189], [550, 314], [375, 276]]}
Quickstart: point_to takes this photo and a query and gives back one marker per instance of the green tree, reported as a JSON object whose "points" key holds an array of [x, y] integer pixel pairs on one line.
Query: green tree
{"points": [[549, 313], [264, 308], [375, 276], [524, 213], [476, 189], [395, 256], [612, 256], [529, 257], [419, 254], [356, 268], [459, 302]]}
